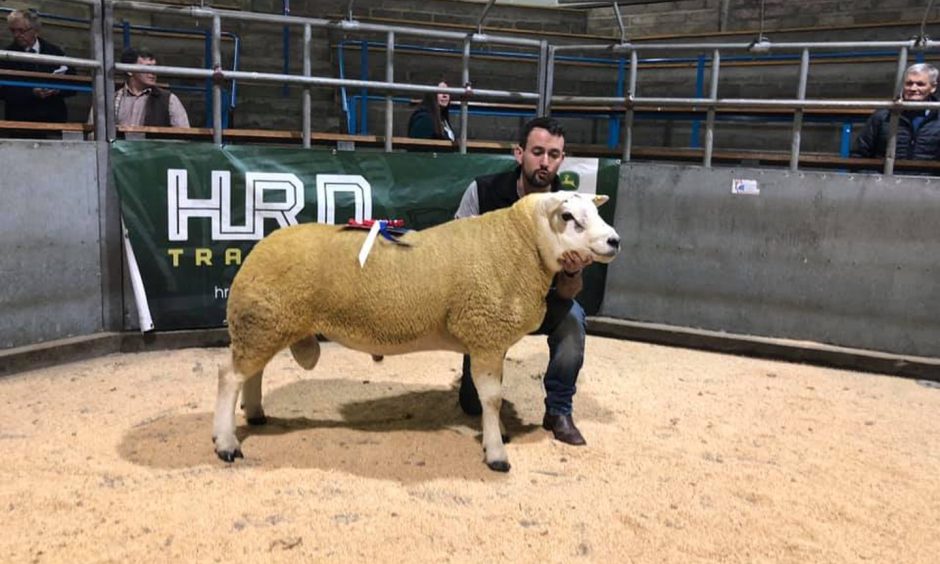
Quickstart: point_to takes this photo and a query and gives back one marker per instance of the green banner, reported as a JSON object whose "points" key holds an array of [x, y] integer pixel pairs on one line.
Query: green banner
{"points": [[193, 211]]}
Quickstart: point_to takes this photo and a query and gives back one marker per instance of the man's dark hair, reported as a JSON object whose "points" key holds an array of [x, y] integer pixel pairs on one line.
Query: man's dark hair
{"points": [[130, 55], [549, 124]]}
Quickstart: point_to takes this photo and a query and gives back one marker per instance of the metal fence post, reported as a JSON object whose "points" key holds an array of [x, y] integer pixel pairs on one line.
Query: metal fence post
{"points": [[216, 87], [710, 120], [110, 231], [892, 146], [798, 114], [546, 62], [390, 78], [465, 79], [101, 113], [308, 36], [628, 100], [107, 69]]}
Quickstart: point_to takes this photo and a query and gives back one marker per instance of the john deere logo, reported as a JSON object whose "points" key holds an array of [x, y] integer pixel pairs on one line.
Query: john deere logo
{"points": [[570, 180]]}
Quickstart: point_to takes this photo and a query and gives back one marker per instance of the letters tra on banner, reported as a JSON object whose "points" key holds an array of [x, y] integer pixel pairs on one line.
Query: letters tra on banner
{"points": [[192, 212]]}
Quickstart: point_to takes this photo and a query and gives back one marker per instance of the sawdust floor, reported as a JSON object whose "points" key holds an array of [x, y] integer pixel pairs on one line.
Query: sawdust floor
{"points": [[692, 456]]}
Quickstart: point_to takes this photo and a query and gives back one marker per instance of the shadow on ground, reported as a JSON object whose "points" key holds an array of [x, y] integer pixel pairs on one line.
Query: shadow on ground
{"points": [[383, 430]]}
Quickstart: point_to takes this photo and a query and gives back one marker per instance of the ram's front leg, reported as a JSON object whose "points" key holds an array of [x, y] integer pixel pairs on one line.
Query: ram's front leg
{"points": [[487, 372], [223, 427]]}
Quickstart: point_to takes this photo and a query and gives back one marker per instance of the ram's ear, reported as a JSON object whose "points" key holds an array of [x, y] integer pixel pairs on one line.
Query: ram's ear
{"points": [[600, 199]]}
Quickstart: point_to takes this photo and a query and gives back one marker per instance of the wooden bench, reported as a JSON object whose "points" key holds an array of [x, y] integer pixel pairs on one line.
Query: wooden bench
{"points": [[681, 154], [295, 137], [69, 131], [27, 76]]}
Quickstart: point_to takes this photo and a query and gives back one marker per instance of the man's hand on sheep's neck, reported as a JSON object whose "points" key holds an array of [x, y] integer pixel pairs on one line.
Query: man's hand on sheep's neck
{"points": [[568, 282]]}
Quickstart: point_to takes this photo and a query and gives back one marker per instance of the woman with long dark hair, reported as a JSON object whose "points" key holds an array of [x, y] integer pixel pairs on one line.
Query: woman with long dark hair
{"points": [[430, 119]]}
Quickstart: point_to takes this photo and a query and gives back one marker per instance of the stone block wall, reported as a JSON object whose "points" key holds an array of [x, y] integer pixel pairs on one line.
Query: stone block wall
{"points": [[664, 18], [713, 16]]}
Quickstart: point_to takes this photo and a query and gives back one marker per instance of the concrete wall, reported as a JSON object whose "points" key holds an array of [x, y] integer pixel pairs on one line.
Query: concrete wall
{"points": [[834, 258], [844, 259], [50, 265]]}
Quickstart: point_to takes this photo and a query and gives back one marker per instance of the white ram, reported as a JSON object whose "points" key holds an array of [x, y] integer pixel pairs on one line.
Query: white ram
{"points": [[475, 285]]}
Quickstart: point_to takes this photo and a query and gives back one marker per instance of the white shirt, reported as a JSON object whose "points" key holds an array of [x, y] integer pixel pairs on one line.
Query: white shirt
{"points": [[447, 130], [130, 108], [470, 203]]}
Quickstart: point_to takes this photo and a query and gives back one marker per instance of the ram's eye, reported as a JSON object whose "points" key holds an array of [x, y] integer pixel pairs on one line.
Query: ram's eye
{"points": [[567, 216]]}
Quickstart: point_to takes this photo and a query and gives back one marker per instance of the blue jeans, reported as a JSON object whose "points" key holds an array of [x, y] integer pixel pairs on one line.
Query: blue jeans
{"points": [[565, 326]]}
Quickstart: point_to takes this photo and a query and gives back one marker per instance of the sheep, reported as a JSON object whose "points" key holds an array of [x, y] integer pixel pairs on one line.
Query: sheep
{"points": [[475, 286]]}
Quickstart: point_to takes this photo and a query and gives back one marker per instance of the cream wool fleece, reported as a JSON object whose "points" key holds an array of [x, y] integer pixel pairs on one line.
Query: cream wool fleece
{"points": [[471, 285]]}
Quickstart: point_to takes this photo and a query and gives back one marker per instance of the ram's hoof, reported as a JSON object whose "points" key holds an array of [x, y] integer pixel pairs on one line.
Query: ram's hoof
{"points": [[499, 465], [377, 357], [259, 420], [230, 455]]}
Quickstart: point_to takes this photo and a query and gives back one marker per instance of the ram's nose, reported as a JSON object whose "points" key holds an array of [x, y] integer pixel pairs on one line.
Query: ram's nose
{"points": [[614, 242]]}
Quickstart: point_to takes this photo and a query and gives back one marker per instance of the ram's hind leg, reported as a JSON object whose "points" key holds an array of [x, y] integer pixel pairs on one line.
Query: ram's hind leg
{"points": [[251, 400], [223, 427], [487, 373], [306, 352]]}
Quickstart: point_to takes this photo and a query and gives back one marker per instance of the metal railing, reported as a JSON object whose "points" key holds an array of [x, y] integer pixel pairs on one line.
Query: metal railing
{"points": [[355, 106], [306, 80], [797, 104], [103, 67], [126, 28], [356, 118]]}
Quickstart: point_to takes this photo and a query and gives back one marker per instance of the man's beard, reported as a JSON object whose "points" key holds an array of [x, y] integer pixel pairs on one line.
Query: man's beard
{"points": [[536, 182]]}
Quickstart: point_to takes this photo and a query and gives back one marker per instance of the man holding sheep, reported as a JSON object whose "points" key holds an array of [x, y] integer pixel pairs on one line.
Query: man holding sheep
{"points": [[539, 154]]}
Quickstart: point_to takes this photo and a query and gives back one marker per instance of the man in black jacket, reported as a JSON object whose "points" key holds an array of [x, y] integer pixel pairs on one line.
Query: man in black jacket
{"points": [[539, 154], [918, 130], [27, 103]]}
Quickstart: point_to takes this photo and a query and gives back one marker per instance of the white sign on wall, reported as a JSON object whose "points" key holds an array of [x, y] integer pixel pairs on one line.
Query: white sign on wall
{"points": [[744, 186]]}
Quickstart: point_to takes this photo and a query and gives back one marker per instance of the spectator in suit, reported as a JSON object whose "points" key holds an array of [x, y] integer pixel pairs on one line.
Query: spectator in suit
{"points": [[431, 119], [141, 102], [27, 103], [918, 130]]}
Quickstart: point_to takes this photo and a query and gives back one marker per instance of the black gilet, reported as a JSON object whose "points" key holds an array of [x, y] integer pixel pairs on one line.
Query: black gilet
{"points": [[496, 191], [157, 110]]}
